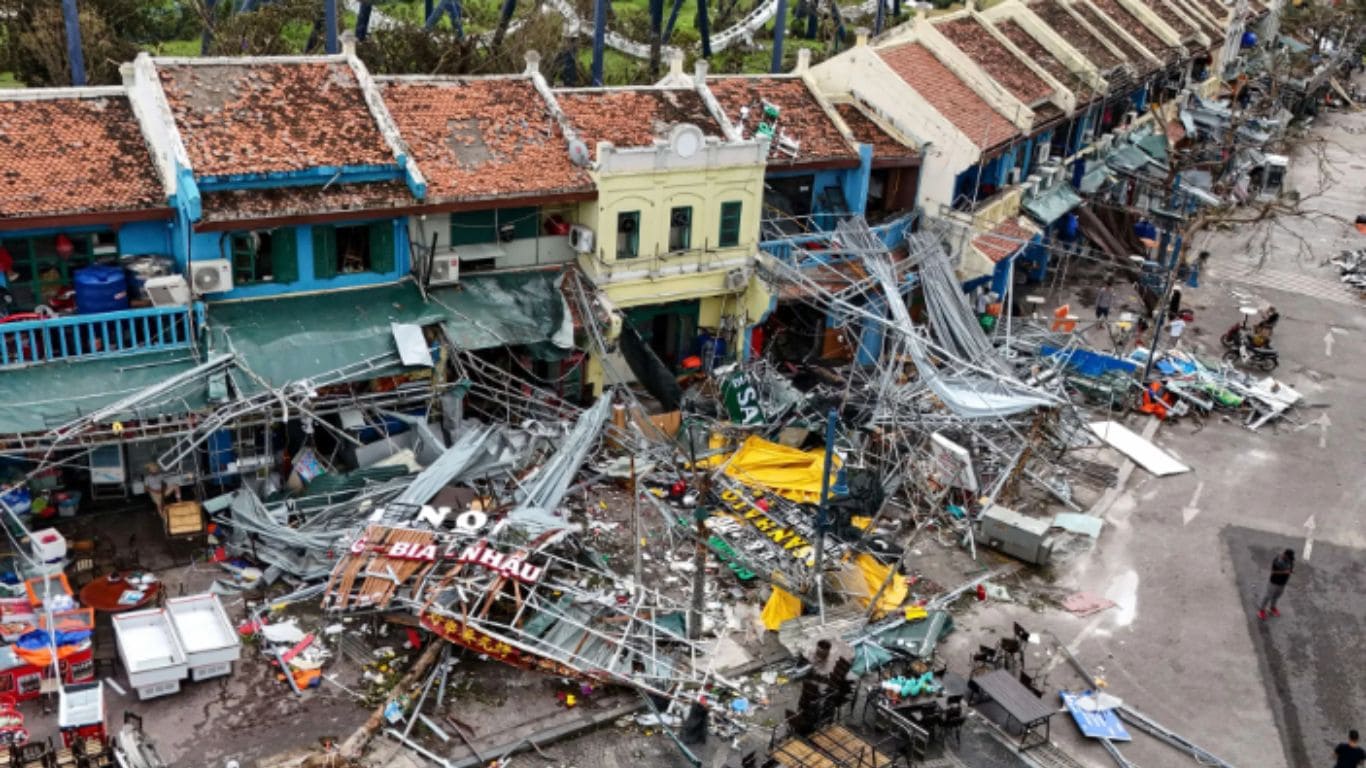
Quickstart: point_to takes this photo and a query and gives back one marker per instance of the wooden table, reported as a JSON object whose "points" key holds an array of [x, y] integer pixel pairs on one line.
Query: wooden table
{"points": [[1020, 704], [104, 592]]}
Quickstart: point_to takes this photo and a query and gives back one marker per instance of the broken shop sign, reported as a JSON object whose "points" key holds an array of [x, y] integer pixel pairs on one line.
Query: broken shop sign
{"points": [[508, 566], [466, 636], [787, 537]]}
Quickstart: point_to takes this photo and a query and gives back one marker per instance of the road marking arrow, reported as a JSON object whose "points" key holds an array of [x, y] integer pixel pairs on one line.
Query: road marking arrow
{"points": [[1309, 526], [1192, 507]]}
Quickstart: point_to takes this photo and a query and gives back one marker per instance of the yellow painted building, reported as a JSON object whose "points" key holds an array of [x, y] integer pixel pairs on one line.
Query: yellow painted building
{"points": [[675, 226]]}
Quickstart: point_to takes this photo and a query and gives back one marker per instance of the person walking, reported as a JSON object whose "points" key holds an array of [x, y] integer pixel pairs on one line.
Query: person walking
{"points": [[1349, 754], [1105, 298], [1281, 568], [1176, 327]]}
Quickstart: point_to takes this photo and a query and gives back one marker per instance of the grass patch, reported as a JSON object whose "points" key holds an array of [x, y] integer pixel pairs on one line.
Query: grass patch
{"points": [[7, 81]]}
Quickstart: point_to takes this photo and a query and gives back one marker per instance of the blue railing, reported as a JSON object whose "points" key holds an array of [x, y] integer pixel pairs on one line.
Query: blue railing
{"points": [[81, 337], [891, 232]]}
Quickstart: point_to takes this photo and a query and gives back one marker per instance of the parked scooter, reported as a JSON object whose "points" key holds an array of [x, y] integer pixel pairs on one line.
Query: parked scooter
{"points": [[1241, 351]]}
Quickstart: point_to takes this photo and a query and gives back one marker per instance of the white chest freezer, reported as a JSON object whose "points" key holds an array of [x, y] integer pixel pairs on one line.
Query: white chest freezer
{"points": [[210, 643], [150, 652]]}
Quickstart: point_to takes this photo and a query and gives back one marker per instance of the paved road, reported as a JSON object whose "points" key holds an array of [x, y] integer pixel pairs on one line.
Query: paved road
{"points": [[1182, 556], [1311, 655]]}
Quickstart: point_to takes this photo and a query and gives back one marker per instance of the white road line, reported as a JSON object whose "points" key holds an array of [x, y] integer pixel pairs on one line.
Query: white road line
{"points": [[1305, 285], [1193, 506], [1309, 526]]}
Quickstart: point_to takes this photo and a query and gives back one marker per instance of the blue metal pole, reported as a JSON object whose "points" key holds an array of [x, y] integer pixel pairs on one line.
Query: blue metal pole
{"points": [[427, 8], [880, 19], [599, 38], [704, 28], [73, 42], [330, 22], [779, 31], [823, 512], [363, 21]]}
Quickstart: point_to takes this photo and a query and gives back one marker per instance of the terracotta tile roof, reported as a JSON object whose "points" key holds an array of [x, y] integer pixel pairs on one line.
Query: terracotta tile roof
{"points": [[800, 116], [1102, 24], [1135, 27], [634, 117], [483, 138], [1176, 21], [1040, 55], [1216, 10], [289, 202], [264, 117], [1045, 114], [1066, 25], [1004, 239], [71, 156], [951, 97], [886, 147], [983, 48]]}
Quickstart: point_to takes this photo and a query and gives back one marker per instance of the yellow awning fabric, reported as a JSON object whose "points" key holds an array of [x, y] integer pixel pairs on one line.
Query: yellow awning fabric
{"points": [[788, 472], [874, 573], [781, 607]]}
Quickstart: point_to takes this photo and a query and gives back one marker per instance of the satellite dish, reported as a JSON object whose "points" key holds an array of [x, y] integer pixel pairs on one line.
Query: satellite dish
{"points": [[686, 140], [578, 152]]}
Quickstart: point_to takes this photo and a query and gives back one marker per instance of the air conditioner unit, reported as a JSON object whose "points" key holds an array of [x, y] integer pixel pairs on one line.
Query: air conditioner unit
{"points": [[1013, 176], [445, 269], [211, 276], [736, 280], [167, 291], [1045, 150], [581, 239]]}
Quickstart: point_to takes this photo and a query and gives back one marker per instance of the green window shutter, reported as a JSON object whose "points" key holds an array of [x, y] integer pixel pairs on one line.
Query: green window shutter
{"points": [[473, 228], [382, 246], [526, 222], [284, 255], [324, 252], [730, 225]]}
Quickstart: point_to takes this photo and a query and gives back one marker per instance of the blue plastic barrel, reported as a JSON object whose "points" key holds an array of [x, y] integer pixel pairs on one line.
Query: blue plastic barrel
{"points": [[101, 289]]}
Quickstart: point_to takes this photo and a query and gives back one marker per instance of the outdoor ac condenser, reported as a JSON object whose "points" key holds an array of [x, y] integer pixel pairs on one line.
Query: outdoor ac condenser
{"points": [[167, 291], [211, 276], [736, 280], [1016, 535], [581, 239], [445, 269]]}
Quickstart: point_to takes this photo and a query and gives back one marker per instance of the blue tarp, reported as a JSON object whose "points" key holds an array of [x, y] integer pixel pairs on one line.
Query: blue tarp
{"points": [[1090, 363]]}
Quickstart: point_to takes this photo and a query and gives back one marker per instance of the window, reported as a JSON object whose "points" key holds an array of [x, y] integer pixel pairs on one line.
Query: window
{"points": [[265, 256], [730, 225], [494, 226], [680, 228], [628, 234], [353, 249], [40, 266]]}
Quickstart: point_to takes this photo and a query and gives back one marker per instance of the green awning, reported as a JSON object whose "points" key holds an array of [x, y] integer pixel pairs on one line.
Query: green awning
{"points": [[299, 338], [1154, 146], [1094, 179], [507, 310], [1293, 45], [40, 397], [1128, 159], [1049, 205]]}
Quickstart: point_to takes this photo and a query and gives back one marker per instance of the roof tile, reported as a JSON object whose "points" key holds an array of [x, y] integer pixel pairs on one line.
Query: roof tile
{"points": [[1135, 27], [1066, 25], [634, 117], [267, 117], [982, 47], [72, 156], [800, 117], [1035, 50], [483, 138], [886, 147], [950, 96], [1004, 239], [289, 202], [1105, 26]]}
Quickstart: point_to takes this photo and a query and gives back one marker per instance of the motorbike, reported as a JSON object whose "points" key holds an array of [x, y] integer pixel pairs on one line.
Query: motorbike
{"points": [[1241, 351]]}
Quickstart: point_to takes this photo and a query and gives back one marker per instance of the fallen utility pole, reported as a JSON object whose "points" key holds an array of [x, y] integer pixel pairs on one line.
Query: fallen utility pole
{"points": [[823, 512]]}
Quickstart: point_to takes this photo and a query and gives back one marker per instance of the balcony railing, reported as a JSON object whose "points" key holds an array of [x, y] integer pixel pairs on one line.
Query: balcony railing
{"points": [[82, 337]]}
